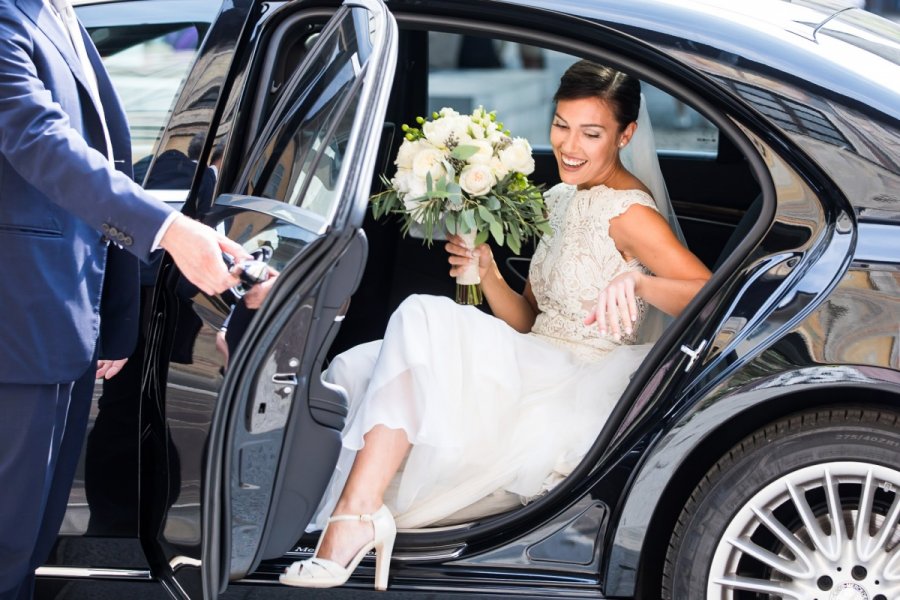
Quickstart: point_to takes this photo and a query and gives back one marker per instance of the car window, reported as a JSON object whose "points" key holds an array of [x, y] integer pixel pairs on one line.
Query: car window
{"points": [[518, 81], [147, 60], [303, 158]]}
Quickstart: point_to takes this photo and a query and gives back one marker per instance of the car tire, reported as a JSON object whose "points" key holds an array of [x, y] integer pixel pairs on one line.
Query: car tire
{"points": [[760, 524]]}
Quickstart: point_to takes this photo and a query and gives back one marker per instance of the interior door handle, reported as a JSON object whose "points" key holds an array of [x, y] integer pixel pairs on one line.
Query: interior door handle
{"points": [[284, 378]]}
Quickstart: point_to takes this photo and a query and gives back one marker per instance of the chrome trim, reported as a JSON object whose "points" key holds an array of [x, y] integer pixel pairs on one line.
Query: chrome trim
{"points": [[91, 573], [413, 556], [179, 561], [443, 554]]}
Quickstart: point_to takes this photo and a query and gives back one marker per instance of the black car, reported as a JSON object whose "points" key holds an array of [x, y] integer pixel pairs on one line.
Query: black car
{"points": [[756, 452]]}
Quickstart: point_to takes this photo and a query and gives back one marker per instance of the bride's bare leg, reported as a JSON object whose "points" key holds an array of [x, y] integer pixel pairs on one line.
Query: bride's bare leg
{"points": [[373, 468]]}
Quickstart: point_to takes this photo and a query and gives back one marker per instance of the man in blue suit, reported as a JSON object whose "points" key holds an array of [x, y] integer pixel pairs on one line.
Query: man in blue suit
{"points": [[72, 228]]}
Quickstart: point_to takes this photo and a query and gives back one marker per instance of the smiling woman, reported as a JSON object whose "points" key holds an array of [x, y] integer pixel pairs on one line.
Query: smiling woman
{"points": [[420, 441]]}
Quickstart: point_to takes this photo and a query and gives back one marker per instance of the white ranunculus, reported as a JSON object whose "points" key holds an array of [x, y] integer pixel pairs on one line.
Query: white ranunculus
{"points": [[400, 182], [406, 152], [416, 187], [517, 156], [476, 180], [416, 190], [484, 154], [429, 160]]}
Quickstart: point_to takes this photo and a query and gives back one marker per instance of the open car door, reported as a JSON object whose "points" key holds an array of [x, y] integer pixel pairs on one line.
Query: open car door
{"points": [[298, 202], [275, 436]]}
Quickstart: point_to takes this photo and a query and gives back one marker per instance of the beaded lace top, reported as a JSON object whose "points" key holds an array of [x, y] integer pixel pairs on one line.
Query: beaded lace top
{"points": [[571, 267]]}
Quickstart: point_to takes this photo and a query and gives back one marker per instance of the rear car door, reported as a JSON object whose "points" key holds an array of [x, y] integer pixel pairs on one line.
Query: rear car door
{"points": [[245, 434]]}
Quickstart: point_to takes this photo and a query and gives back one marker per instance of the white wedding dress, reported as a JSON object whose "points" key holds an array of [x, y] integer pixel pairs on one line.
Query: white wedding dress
{"points": [[496, 417]]}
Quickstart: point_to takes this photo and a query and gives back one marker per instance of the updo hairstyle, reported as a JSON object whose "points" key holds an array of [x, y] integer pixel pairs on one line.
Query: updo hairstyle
{"points": [[620, 91]]}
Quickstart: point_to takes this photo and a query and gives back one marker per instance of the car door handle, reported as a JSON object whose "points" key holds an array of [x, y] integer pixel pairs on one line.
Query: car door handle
{"points": [[284, 378]]}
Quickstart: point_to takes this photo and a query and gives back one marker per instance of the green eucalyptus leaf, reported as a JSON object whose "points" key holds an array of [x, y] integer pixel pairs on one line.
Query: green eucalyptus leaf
{"points": [[463, 152], [468, 217], [497, 231], [481, 237], [513, 241], [486, 215], [450, 222]]}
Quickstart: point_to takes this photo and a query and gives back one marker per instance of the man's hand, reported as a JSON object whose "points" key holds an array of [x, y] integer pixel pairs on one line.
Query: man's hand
{"points": [[197, 251], [107, 369]]}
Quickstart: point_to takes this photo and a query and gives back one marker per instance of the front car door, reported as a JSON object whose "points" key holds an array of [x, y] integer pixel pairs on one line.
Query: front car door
{"points": [[245, 434]]}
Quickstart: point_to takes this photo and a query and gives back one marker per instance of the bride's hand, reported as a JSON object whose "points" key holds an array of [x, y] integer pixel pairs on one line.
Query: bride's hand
{"points": [[460, 256], [616, 307]]}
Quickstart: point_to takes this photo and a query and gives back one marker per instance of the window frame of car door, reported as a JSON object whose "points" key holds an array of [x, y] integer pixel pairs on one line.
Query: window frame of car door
{"points": [[305, 275]]}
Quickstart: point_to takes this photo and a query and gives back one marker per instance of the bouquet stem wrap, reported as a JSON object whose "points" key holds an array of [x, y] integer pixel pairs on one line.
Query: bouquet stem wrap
{"points": [[468, 283]]}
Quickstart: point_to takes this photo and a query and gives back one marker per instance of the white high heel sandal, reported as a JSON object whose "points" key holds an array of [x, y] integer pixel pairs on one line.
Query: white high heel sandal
{"points": [[322, 573]]}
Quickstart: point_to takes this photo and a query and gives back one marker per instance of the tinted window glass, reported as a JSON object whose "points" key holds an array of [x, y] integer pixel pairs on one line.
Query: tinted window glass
{"points": [[519, 81], [148, 65], [303, 157]]}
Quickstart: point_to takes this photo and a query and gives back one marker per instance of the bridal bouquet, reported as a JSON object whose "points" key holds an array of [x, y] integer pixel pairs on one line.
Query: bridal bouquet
{"points": [[464, 175]]}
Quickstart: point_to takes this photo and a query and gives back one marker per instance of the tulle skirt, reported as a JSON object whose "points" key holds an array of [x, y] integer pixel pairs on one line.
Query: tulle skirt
{"points": [[495, 417]]}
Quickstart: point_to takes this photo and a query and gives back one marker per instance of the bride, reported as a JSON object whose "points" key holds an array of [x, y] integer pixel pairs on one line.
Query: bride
{"points": [[456, 411]]}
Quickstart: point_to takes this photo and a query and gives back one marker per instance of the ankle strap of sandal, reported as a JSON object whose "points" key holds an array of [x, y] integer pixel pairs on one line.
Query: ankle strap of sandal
{"points": [[367, 518]]}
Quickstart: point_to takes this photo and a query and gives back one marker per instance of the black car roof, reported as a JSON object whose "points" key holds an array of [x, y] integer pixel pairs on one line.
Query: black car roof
{"points": [[839, 48]]}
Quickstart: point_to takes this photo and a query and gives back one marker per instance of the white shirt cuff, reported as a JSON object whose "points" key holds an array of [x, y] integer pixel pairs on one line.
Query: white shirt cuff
{"points": [[162, 230]]}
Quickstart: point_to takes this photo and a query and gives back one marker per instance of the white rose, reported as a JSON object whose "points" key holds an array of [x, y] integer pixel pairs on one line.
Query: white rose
{"points": [[517, 156], [499, 169], [476, 180], [483, 155], [448, 112], [429, 160]]}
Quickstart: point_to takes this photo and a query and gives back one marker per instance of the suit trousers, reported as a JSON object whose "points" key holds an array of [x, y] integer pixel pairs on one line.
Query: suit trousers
{"points": [[42, 429]]}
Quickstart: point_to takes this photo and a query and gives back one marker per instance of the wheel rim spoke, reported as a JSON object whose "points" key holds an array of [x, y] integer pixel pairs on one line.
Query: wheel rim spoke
{"points": [[811, 533], [820, 539], [861, 536], [788, 567], [762, 586], [892, 568], [787, 538]]}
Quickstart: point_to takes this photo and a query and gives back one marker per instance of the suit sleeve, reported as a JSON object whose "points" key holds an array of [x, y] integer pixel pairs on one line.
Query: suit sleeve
{"points": [[38, 141]]}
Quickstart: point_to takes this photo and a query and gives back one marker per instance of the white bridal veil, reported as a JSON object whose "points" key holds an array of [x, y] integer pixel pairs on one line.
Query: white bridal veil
{"points": [[640, 158]]}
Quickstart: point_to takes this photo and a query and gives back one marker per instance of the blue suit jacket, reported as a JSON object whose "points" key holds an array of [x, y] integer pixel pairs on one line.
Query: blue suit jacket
{"points": [[62, 285]]}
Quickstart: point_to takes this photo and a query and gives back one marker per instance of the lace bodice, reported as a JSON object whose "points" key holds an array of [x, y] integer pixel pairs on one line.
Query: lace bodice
{"points": [[572, 266]]}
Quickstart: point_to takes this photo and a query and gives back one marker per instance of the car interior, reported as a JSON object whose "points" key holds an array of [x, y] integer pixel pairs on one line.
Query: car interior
{"points": [[712, 186], [714, 194]]}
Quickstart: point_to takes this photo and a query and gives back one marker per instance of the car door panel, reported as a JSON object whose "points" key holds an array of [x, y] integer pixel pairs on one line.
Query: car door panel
{"points": [[243, 384]]}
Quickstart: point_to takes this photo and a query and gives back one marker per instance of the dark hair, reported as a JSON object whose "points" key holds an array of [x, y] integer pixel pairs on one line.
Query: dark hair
{"points": [[586, 79]]}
